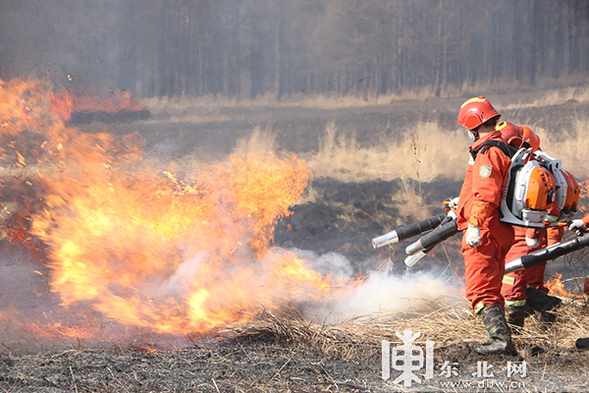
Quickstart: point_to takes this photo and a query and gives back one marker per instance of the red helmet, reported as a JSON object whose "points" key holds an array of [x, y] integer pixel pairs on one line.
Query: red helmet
{"points": [[530, 139], [511, 133], [475, 112]]}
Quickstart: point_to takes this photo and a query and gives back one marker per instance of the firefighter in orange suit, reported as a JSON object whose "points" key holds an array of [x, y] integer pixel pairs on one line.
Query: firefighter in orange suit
{"points": [[524, 290], [486, 240]]}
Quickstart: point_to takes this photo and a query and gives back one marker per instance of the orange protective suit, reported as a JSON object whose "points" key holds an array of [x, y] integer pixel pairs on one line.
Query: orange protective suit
{"points": [[480, 196], [536, 280], [515, 283]]}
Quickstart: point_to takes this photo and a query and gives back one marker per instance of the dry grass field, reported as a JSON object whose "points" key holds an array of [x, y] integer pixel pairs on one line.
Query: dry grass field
{"points": [[286, 353], [376, 165]]}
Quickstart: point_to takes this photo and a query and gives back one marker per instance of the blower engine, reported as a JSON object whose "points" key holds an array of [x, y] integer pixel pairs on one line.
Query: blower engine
{"points": [[529, 192]]}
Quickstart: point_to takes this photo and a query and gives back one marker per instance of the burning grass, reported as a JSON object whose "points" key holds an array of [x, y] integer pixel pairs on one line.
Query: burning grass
{"points": [[287, 353], [144, 246]]}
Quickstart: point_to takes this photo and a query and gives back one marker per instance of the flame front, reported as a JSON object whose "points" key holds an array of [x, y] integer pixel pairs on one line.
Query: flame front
{"points": [[556, 287], [150, 248]]}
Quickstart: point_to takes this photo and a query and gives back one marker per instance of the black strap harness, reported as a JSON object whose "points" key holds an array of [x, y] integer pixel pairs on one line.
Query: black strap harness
{"points": [[508, 150]]}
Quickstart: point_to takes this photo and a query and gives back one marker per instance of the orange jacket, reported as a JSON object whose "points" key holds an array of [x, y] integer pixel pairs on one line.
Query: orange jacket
{"points": [[483, 186]]}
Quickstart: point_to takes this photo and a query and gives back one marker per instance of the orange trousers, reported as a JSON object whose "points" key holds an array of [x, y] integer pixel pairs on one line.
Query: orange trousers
{"points": [[515, 283], [484, 265]]}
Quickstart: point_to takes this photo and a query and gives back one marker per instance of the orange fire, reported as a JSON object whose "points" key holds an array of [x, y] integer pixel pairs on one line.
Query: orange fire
{"points": [[113, 102], [64, 103], [556, 287], [583, 195], [162, 250]]}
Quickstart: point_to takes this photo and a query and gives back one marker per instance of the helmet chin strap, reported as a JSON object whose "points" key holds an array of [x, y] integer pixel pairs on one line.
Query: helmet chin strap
{"points": [[473, 135]]}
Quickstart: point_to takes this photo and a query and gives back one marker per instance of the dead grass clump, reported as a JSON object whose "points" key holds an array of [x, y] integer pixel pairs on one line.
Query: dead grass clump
{"points": [[291, 330], [452, 328], [341, 157], [572, 322], [359, 338]]}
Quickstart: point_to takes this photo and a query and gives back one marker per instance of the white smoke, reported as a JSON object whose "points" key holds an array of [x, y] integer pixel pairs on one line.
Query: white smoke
{"points": [[180, 281], [380, 294], [329, 263], [383, 294]]}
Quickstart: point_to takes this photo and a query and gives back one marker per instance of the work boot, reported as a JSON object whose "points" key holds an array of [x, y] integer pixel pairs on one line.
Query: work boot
{"points": [[540, 301], [582, 343], [498, 332], [515, 316]]}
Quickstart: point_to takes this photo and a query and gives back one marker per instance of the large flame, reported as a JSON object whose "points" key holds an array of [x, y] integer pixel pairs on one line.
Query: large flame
{"points": [[167, 251]]}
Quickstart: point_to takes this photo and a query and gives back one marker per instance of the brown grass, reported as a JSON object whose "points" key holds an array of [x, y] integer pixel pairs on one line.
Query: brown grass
{"points": [[446, 326], [326, 101], [341, 157], [285, 353], [549, 349], [341, 153]]}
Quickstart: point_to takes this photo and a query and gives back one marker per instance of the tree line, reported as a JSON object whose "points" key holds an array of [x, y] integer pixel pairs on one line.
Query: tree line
{"points": [[248, 48]]}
